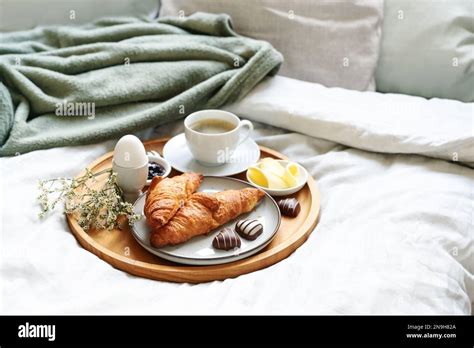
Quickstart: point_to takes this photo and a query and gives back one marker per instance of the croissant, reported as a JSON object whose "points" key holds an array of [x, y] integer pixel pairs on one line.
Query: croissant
{"points": [[166, 196], [204, 212]]}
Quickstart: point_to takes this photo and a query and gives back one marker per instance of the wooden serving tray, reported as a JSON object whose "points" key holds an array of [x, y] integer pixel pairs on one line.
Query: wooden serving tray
{"points": [[122, 251]]}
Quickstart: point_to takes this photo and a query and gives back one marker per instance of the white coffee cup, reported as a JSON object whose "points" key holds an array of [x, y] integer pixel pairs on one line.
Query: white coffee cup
{"points": [[213, 149]]}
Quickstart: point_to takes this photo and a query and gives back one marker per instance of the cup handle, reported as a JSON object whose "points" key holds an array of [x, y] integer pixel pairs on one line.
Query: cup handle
{"points": [[245, 123]]}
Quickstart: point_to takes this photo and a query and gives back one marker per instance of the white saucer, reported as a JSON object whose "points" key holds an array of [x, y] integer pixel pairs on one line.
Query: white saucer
{"points": [[176, 152]]}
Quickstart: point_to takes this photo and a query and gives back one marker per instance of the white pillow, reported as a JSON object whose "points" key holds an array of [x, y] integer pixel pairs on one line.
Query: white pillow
{"points": [[335, 43], [428, 49]]}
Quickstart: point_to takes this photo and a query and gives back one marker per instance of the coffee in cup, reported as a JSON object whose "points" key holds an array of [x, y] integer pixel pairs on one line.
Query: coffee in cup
{"points": [[212, 126]]}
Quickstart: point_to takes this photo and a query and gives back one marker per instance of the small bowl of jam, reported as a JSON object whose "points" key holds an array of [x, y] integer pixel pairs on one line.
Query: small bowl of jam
{"points": [[157, 166]]}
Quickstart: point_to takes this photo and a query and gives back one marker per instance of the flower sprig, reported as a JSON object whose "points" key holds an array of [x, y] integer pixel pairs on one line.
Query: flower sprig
{"points": [[94, 207]]}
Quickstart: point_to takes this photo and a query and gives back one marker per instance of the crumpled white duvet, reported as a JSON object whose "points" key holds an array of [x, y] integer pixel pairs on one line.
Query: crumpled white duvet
{"points": [[395, 236]]}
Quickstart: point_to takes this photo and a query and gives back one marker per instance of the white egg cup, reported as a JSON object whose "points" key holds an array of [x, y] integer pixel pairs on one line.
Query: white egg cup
{"points": [[131, 164], [131, 180]]}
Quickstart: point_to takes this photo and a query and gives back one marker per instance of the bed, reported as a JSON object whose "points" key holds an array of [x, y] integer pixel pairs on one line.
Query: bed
{"points": [[395, 234], [395, 171]]}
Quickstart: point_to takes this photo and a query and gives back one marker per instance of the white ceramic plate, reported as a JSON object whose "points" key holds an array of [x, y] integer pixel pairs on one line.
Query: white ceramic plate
{"points": [[199, 250], [176, 152]]}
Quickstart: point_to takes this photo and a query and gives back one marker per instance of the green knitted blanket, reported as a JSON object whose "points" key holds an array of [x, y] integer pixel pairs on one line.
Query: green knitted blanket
{"points": [[67, 85]]}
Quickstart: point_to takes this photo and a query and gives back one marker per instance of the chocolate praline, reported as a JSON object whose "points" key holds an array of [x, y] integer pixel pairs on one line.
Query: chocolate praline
{"points": [[289, 207], [226, 239], [249, 228]]}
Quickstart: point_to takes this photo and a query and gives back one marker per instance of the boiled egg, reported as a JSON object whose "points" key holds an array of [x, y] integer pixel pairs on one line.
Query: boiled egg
{"points": [[129, 152]]}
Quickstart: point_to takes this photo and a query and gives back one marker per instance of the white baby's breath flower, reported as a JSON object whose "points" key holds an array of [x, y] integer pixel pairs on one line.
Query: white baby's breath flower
{"points": [[95, 207]]}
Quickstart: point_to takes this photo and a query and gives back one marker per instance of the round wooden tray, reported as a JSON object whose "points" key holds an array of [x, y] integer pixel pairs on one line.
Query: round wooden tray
{"points": [[122, 251]]}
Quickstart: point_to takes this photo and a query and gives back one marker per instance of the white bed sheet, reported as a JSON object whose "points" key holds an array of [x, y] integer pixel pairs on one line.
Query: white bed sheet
{"points": [[396, 232]]}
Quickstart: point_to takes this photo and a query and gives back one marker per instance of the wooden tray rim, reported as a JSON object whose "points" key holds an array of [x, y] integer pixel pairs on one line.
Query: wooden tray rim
{"points": [[181, 273]]}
